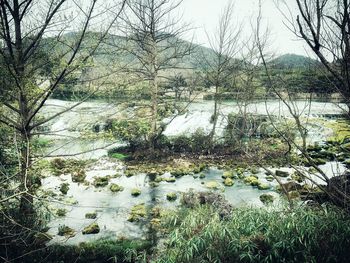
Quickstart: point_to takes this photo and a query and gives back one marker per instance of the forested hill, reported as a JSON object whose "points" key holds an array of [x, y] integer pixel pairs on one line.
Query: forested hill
{"points": [[109, 51], [293, 61]]}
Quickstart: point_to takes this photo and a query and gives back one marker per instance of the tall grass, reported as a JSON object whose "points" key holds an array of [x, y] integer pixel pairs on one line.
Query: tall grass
{"points": [[258, 235]]}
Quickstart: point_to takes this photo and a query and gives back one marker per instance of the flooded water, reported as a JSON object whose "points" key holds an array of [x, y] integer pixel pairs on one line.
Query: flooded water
{"points": [[68, 135]]}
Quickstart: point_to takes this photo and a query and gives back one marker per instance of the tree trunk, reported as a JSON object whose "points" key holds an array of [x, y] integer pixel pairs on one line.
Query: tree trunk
{"points": [[214, 118], [26, 202], [153, 133]]}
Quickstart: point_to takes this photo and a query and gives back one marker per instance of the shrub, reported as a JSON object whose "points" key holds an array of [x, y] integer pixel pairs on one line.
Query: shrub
{"points": [[133, 132], [258, 235]]}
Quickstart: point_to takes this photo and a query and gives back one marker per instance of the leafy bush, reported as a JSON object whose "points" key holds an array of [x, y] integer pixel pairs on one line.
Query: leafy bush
{"points": [[197, 142], [102, 250], [258, 235], [133, 132]]}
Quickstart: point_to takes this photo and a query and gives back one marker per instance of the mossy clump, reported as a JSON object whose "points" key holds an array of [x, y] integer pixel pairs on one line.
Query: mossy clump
{"points": [[171, 196], [281, 173], [91, 215], [262, 186], [101, 181], [135, 192], [254, 170], [170, 180], [252, 180], [116, 188], [202, 176], [179, 172], [61, 212], [66, 231], [129, 173], [137, 212], [212, 185], [158, 179], [64, 188], [298, 176], [269, 178], [294, 195], [91, 229], [228, 182], [198, 168], [228, 174], [78, 176], [266, 198]]}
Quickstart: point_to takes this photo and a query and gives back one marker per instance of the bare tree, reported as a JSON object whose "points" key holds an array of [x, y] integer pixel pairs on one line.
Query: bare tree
{"points": [[154, 41], [37, 56], [335, 188], [324, 26], [220, 67]]}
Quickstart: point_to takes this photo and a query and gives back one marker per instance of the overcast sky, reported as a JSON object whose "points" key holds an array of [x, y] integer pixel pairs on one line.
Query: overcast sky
{"points": [[205, 14]]}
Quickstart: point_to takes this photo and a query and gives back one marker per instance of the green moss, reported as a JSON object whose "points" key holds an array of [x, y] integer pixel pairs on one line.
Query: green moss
{"points": [[298, 176], [101, 181], [78, 176], [254, 170], [266, 198], [137, 213], [212, 185], [64, 230], [135, 192], [170, 179], [91, 229], [294, 195], [64, 188], [262, 186], [341, 130], [201, 175], [269, 178], [158, 179], [228, 174], [228, 182], [252, 180], [171, 196], [281, 173], [116, 188], [91, 215], [61, 212], [129, 173]]}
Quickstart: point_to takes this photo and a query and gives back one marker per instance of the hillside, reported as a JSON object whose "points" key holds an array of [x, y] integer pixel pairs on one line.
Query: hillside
{"points": [[293, 61]]}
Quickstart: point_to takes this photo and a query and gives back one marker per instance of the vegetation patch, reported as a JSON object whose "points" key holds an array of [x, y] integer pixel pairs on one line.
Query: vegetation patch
{"points": [[137, 213], [91, 229], [257, 235]]}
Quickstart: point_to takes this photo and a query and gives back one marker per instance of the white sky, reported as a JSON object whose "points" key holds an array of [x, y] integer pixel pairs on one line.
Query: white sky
{"points": [[205, 14]]}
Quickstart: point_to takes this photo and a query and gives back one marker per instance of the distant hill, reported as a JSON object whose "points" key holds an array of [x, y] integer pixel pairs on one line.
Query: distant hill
{"points": [[108, 52], [293, 61]]}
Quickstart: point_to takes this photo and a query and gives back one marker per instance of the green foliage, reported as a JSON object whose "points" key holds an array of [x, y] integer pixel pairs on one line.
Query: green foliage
{"points": [[101, 250], [133, 132], [258, 235], [60, 166], [197, 142], [119, 156]]}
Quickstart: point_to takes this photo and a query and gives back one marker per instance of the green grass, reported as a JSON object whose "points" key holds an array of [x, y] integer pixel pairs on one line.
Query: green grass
{"points": [[102, 250], [258, 235], [119, 156]]}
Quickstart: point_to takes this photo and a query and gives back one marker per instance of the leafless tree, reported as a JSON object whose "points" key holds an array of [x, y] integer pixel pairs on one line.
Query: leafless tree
{"points": [[154, 41], [334, 188], [220, 67], [324, 26], [36, 56]]}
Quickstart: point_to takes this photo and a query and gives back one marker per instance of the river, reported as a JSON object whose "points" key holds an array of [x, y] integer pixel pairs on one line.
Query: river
{"points": [[68, 136]]}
